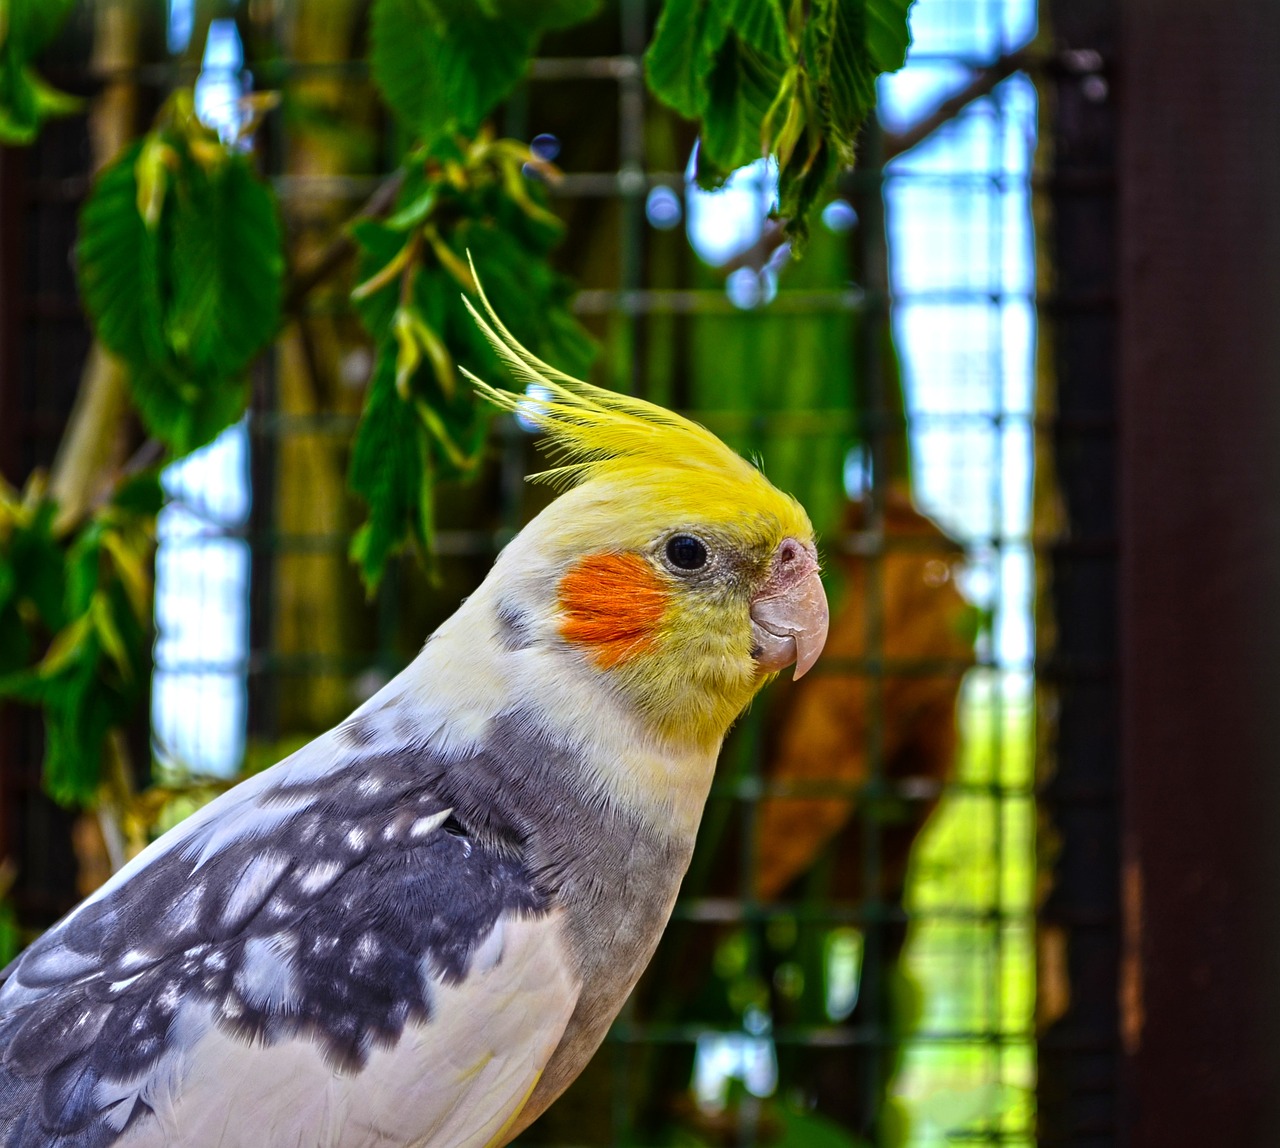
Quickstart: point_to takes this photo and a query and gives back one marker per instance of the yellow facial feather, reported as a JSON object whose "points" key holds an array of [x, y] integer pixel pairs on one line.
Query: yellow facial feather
{"points": [[599, 434], [640, 473]]}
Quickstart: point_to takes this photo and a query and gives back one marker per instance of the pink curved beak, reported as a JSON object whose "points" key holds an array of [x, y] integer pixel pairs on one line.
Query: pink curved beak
{"points": [[789, 615]]}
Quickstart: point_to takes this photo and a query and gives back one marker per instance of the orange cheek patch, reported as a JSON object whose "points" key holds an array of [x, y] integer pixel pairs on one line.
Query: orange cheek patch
{"points": [[613, 603]]}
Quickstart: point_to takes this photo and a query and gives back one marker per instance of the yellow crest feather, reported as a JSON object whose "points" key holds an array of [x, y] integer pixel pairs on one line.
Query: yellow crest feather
{"points": [[592, 429]]}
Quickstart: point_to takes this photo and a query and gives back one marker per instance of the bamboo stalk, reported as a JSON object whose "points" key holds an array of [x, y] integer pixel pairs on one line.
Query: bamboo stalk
{"points": [[95, 441], [311, 593]]}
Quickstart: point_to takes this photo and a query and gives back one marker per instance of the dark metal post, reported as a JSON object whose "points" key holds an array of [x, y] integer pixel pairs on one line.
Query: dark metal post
{"points": [[11, 468], [1078, 920], [1200, 571], [11, 211]]}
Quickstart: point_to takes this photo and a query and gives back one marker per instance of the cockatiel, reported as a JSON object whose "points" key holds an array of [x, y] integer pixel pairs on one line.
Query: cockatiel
{"points": [[417, 929]]}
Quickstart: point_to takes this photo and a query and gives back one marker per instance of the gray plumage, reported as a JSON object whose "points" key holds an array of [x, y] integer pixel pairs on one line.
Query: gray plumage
{"points": [[327, 918]]}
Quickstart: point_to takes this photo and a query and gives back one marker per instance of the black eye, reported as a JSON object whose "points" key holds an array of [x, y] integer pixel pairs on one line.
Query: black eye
{"points": [[685, 552]]}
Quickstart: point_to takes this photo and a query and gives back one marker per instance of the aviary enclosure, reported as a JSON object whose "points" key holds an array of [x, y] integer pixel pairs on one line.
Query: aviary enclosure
{"points": [[852, 961]]}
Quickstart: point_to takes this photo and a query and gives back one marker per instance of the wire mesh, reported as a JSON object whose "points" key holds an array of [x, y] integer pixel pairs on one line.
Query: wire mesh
{"points": [[43, 343], [921, 1032]]}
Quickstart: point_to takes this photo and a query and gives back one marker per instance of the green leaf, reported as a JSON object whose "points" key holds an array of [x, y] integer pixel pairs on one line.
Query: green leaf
{"points": [[118, 262], [80, 704], [389, 470], [110, 634], [847, 44], [379, 245], [32, 25], [544, 15], [141, 494], [185, 418], [19, 120], [682, 56], [188, 301], [75, 624], [415, 211], [760, 25], [416, 338], [15, 643], [798, 90], [443, 65], [888, 32], [51, 102], [38, 567], [23, 686], [708, 56], [226, 268], [801, 185], [84, 568], [743, 87], [77, 715], [26, 29]]}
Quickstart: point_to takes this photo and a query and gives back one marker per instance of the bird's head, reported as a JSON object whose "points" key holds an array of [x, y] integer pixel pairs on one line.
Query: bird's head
{"points": [[672, 566]]}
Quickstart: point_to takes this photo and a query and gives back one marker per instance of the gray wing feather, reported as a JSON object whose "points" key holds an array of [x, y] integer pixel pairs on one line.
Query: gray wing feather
{"points": [[316, 906]]}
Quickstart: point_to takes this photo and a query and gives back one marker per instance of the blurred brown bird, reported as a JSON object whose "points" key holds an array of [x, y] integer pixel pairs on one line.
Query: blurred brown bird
{"points": [[823, 729]]}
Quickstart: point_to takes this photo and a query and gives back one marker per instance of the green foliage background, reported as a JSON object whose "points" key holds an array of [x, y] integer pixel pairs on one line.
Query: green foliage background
{"points": [[181, 262], [185, 274]]}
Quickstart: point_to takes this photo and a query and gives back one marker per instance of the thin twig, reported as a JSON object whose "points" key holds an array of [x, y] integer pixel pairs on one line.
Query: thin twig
{"points": [[149, 453], [342, 246], [114, 798], [983, 83], [772, 236], [313, 379]]}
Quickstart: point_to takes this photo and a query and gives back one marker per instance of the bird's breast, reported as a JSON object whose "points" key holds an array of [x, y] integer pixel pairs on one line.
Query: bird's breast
{"points": [[616, 874]]}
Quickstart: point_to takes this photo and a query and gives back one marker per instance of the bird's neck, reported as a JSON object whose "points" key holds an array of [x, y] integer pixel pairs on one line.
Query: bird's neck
{"points": [[498, 654]]}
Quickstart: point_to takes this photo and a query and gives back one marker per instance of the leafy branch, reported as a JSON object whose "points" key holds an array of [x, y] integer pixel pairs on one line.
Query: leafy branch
{"points": [[419, 424], [442, 66], [75, 614], [791, 79], [181, 268]]}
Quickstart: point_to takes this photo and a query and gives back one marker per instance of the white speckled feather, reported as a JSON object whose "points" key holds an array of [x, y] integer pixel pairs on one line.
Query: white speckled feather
{"points": [[452, 1083]]}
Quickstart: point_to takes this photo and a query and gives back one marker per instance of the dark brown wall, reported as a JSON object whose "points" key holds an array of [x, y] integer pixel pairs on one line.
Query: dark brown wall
{"points": [[1200, 570]]}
